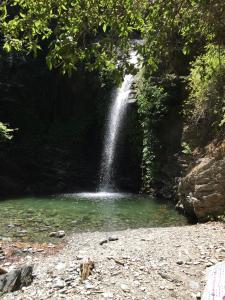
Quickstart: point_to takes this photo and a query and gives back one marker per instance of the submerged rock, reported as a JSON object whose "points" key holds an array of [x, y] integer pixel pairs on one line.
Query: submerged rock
{"points": [[57, 234]]}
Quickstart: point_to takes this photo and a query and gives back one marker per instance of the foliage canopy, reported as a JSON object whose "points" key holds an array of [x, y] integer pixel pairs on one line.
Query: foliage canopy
{"points": [[98, 32]]}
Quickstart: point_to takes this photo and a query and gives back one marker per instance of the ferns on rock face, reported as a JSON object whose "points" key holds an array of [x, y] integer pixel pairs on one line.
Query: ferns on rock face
{"points": [[5, 132]]}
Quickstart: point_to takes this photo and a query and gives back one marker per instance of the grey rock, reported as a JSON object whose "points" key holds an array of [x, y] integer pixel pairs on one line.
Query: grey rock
{"points": [[103, 242], [125, 288], [57, 234], [16, 279], [179, 262], [198, 296], [202, 191], [194, 285], [60, 284], [89, 286], [108, 295], [113, 238]]}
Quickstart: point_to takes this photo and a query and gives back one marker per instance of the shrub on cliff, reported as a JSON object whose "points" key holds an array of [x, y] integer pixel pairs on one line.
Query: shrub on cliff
{"points": [[205, 106], [5, 132]]}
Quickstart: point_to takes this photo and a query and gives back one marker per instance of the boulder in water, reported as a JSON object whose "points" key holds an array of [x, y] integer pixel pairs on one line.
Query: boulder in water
{"points": [[57, 234]]}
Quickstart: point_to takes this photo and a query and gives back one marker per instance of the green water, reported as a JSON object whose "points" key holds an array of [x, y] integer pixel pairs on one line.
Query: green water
{"points": [[32, 219]]}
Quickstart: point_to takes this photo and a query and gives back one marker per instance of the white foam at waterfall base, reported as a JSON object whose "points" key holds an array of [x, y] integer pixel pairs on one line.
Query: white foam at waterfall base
{"points": [[101, 195], [115, 122]]}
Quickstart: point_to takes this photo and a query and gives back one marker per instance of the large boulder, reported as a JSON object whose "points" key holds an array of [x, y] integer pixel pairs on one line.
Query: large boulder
{"points": [[202, 191], [16, 279]]}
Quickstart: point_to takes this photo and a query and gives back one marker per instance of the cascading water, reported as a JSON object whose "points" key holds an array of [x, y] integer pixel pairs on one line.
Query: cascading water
{"points": [[115, 121]]}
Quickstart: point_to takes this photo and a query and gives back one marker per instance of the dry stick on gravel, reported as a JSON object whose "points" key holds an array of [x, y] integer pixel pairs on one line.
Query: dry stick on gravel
{"points": [[86, 269], [119, 262]]}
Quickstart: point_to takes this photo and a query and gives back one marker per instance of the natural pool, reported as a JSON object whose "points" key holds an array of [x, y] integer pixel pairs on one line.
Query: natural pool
{"points": [[33, 218]]}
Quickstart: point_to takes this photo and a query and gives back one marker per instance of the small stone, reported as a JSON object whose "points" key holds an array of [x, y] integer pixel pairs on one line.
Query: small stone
{"points": [[10, 225], [80, 257], [57, 234], [103, 242], [69, 279], [164, 275], [61, 233], [63, 291], [60, 266], [137, 283], [28, 250], [71, 269], [108, 295], [6, 239], [113, 238], [198, 296], [180, 262], [53, 234], [125, 288], [23, 231], [194, 285], [89, 286], [59, 284], [214, 261], [2, 271]]}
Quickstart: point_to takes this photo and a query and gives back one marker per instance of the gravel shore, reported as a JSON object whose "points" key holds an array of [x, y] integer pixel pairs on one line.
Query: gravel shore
{"points": [[151, 264]]}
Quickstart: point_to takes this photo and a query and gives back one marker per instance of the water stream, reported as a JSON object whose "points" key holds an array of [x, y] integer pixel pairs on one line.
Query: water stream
{"points": [[114, 123]]}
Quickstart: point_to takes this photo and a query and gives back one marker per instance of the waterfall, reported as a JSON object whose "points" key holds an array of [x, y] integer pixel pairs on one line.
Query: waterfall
{"points": [[114, 123]]}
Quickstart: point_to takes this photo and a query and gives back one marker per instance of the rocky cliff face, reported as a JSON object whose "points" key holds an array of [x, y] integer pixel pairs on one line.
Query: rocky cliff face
{"points": [[202, 191]]}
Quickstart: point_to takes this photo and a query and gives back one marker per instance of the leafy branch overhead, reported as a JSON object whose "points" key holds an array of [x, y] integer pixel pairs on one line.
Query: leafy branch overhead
{"points": [[97, 32], [73, 31]]}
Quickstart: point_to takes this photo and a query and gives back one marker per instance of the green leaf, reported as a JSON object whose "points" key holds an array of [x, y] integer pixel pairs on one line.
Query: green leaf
{"points": [[7, 47], [104, 27]]}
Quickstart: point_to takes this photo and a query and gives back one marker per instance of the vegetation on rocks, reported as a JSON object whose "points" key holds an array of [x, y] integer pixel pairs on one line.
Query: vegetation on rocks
{"points": [[5, 132], [189, 47], [205, 106]]}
